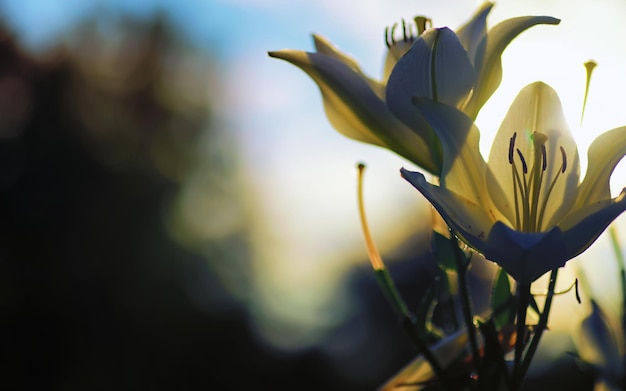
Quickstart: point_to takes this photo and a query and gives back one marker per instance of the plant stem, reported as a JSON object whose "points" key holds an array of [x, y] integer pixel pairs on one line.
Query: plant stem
{"points": [[468, 317], [523, 299], [466, 305], [541, 326]]}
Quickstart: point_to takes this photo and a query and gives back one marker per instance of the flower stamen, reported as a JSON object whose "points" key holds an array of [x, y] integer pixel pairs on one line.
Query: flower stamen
{"points": [[372, 251], [539, 141], [512, 147], [421, 24], [529, 196], [517, 181], [521, 157], [547, 196]]}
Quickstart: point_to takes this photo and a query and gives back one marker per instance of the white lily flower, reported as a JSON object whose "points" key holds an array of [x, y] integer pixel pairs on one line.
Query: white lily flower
{"points": [[525, 209], [461, 70]]}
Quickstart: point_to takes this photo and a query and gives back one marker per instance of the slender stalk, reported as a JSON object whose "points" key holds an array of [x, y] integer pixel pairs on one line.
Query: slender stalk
{"points": [[466, 305], [541, 326], [523, 299]]}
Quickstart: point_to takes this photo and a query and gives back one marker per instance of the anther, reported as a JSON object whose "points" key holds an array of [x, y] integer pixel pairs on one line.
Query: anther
{"points": [[387, 40], [521, 157], [511, 147], [564, 166], [544, 158], [393, 33], [422, 23], [404, 32]]}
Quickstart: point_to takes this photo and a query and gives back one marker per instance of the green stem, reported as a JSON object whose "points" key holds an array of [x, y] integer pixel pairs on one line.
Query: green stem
{"points": [[462, 265], [541, 326], [523, 299], [398, 304]]}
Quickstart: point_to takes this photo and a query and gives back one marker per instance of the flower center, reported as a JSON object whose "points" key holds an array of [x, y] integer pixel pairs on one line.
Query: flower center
{"points": [[531, 188], [399, 47]]}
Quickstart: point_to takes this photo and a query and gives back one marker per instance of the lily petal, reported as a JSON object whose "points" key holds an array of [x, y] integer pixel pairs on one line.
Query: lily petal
{"points": [[436, 67], [472, 33], [463, 166], [355, 110], [324, 46], [537, 108], [468, 219], [445, 351], [585, 225], [597, 344], [526, 256], [604, 154], [489, 67]]}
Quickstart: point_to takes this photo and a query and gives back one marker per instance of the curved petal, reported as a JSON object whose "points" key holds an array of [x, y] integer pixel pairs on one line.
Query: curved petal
{"points": [[489, 66], [394, 53], [445, 351], [604, 154], [354, 109], [526, 256], [536, 108], [463, 170], [436, 67], [472, 33], [468, 219], [597, 344], [324, 46], [583, 227]]}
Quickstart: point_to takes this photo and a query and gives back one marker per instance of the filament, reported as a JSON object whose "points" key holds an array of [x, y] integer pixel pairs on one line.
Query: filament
{"points": [[372, 251]]}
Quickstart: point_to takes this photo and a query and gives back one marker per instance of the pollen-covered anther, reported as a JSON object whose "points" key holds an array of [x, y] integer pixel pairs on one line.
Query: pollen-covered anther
{"points": [[421, 24], [521, 158], [406, 31], [512, 147]]}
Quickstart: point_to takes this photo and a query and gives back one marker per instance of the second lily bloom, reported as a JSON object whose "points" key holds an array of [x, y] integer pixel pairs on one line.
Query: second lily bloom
{"points": [[460, 69]]}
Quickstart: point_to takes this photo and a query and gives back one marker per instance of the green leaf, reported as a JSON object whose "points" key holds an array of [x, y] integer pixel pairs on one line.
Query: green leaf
{"points": [[423, 316], [443, 251], [502, 300]]}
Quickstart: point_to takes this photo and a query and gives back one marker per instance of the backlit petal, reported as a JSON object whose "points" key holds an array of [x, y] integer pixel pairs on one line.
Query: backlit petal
{"points": [[582, 227], [472, 33], [468, 219], [324, 46], [445, 351], [597, 344], [355, 110], [604, 154], [394, 53], [436, 67], [489, 67], [536, 108], [526, 256], [463, 166]]}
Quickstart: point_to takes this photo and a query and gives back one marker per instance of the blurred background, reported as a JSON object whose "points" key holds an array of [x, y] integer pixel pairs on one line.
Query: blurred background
{"points": [[176, 211]]}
